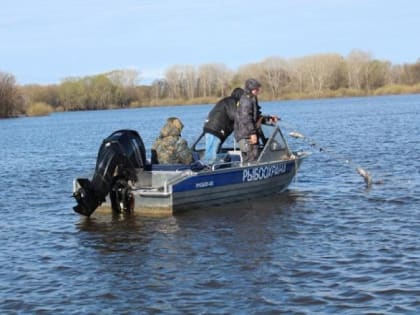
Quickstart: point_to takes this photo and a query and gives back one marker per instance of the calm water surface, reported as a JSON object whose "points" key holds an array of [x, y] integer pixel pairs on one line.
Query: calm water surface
{"points": [[327, 245]]}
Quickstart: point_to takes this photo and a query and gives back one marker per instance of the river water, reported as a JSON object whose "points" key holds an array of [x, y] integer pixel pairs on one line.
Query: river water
{"points": [[327, 245]]}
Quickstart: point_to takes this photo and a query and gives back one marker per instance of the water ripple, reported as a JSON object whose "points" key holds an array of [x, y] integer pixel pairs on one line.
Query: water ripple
{"points": [[328, 245]]}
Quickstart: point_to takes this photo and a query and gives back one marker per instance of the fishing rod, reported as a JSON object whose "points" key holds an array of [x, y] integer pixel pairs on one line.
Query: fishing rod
{"points": [[361, 171]]}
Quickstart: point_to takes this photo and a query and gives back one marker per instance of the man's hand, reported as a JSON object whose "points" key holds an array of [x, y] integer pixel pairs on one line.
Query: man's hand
{"points": [[274, 119], [253, 139]]}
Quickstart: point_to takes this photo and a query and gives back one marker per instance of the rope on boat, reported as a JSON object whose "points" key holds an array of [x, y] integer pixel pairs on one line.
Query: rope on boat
{"points": [[361, 171]]}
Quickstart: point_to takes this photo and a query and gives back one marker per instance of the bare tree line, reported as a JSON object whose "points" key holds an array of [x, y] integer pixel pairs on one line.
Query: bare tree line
{"points": [[11, 99], [319, 75], [310, 75]]}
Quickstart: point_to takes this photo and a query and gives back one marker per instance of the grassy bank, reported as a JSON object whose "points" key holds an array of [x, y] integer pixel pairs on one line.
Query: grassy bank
{"points": [[343, 92], [39, 109]]}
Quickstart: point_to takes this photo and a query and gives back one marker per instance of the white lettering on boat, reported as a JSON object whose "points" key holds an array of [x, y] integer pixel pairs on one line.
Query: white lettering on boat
{"points": [[204, 184], [263, 172]]}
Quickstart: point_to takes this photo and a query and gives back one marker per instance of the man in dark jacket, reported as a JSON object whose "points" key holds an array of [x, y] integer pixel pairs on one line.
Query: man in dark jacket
{"points": [[219, 124], [248, 120]]}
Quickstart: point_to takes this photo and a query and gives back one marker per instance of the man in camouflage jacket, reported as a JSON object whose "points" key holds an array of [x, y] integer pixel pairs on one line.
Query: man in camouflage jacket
{"points": [[169, 147]]}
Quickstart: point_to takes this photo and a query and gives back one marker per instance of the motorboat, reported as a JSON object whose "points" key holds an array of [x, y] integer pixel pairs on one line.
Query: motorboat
{"points": [[125, 180]]}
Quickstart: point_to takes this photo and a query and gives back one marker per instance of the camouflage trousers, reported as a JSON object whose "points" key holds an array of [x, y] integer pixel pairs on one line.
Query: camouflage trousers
{"points": [[249, 151]]}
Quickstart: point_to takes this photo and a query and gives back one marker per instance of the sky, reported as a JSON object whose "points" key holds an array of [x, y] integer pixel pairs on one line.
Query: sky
{"points": [[47, 41]]}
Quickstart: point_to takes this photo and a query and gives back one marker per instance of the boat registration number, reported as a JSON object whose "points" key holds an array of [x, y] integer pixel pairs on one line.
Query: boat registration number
{"points": [[204, 184]]}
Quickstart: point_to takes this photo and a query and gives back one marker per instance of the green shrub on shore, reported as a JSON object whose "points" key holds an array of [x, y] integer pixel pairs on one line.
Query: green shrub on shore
{"points": [[39, 109]]}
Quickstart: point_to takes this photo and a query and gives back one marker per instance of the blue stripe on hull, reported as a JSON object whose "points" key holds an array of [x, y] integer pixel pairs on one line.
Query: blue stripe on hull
{"points": [[243, 176], [189, 200]]}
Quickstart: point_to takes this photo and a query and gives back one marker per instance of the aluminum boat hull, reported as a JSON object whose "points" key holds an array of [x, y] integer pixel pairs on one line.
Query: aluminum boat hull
{"points": [[214, 188]]}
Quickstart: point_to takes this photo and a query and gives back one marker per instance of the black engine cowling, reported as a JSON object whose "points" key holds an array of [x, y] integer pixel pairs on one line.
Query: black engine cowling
{"points": [[120, 156]]}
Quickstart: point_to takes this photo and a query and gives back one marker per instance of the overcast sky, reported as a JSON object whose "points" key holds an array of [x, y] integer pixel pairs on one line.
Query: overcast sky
{"points": [[45, 41]]}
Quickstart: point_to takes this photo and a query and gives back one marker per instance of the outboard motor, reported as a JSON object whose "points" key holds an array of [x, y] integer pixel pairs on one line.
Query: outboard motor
{"points": [[120, 156]]}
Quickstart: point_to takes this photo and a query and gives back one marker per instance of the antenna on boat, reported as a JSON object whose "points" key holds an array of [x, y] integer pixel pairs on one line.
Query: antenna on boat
{"points": [[361, 171]]}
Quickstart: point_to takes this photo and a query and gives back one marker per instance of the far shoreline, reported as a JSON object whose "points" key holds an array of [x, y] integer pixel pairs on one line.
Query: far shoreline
{"points": [[46, 109]]}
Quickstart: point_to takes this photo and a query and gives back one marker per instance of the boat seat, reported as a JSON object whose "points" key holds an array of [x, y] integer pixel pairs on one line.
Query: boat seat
{"points": [[226, 159], [235, 156]]}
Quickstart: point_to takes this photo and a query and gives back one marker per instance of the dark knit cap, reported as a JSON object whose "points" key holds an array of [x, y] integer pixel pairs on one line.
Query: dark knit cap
{"points": [[252, 84]]}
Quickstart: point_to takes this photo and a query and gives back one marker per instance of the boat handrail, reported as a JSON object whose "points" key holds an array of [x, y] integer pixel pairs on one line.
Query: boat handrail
{"points": [[224, 165]]}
